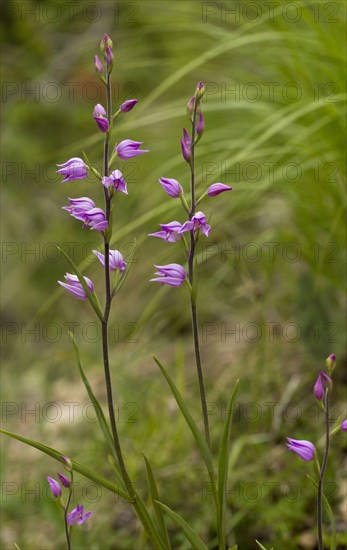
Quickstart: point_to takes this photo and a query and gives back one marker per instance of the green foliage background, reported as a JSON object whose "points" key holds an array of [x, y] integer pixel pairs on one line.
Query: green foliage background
{"points": [[284, 155]]}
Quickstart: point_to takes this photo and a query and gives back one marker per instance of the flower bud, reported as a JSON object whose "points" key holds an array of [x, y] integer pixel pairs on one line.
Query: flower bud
{"points": [[200, 90], [128, 105], [54, 486], [65, 481], [331, 362], [343, 425], [109, 57], [185, 151], [200, 125], [190, 107], [106, 41], [67, 463], [98, 65]]}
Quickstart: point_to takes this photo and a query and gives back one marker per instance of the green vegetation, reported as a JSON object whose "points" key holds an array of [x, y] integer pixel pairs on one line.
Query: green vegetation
{"points": [[271, 275]]}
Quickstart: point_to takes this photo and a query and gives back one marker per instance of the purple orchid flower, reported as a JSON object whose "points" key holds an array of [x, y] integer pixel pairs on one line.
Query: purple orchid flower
{"points": [[77, 516], [305, 449], [217, 188], [186, 143], [96, 219], [128, 105], [322, 382], [100, 117], [65, 481], [78, 207], [171, 187], [343, 425], [171, 274], [197, 223], [75, 288], [109, 57], [98, 65], [170, 232], [116, 260], [54, 486], [73, 169], [128, 149], [200, 125], [116, 180]]}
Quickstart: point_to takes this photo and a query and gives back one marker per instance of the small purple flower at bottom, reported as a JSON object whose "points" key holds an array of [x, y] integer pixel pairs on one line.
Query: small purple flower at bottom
{"points": [[171, 274], [116, 260], [100, 117], [77, 516], [128, 105], [305, 449], [54, 486], [198, 222], [170, 232], [217, 188], [73, 169], [171, 187], [75, 288], [115, 180], [343, 425], [128, 149]]}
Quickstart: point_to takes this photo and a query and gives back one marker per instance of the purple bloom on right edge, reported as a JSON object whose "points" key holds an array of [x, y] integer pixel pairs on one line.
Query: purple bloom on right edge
{"points": [[77, 516], [75, 288], [171, 274], [128, 149], [197, 222], [73, 169], [217, 188], [343, 425], [305, 449]]}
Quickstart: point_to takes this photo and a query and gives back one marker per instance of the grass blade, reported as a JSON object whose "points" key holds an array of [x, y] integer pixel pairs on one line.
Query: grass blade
{"points": [[99, 412], [189, 532], [205, 452], [223, 464], [80, 468], [155, 498]]}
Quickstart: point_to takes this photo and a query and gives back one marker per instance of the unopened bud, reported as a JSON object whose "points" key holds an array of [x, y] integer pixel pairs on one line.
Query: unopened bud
{"points": [[106, 41], [331, 362], [98, 65], [200, 90], [67, 463]]}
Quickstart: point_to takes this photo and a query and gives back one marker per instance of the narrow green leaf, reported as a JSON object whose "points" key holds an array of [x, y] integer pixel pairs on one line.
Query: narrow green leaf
{"points": [[92, 297], [189, 532], [80, 468], [147, 521], [206, 454], [261, 546], [223, 465], [330, 515], [99, 412], [155, 498]]}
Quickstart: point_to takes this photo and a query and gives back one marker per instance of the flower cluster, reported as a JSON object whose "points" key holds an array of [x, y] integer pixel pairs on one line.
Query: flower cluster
{"points": [[196, 225], [77, 515], [305, 449], [84, 209]]}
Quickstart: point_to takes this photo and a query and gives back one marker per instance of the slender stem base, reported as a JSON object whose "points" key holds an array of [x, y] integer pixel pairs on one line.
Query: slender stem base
{"points": [[322, 473]]}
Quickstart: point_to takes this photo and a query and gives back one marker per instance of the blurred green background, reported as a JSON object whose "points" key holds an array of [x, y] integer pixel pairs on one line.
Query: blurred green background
{"points": [[272, 276]]}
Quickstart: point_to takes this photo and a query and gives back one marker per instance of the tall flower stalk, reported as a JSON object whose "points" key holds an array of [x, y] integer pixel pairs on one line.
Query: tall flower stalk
{"points": [[191, 271]]}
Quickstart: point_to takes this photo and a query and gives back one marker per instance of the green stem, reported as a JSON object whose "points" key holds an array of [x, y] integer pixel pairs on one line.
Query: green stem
{"points": [[322, 473], [192, 283], [66, 509]]}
